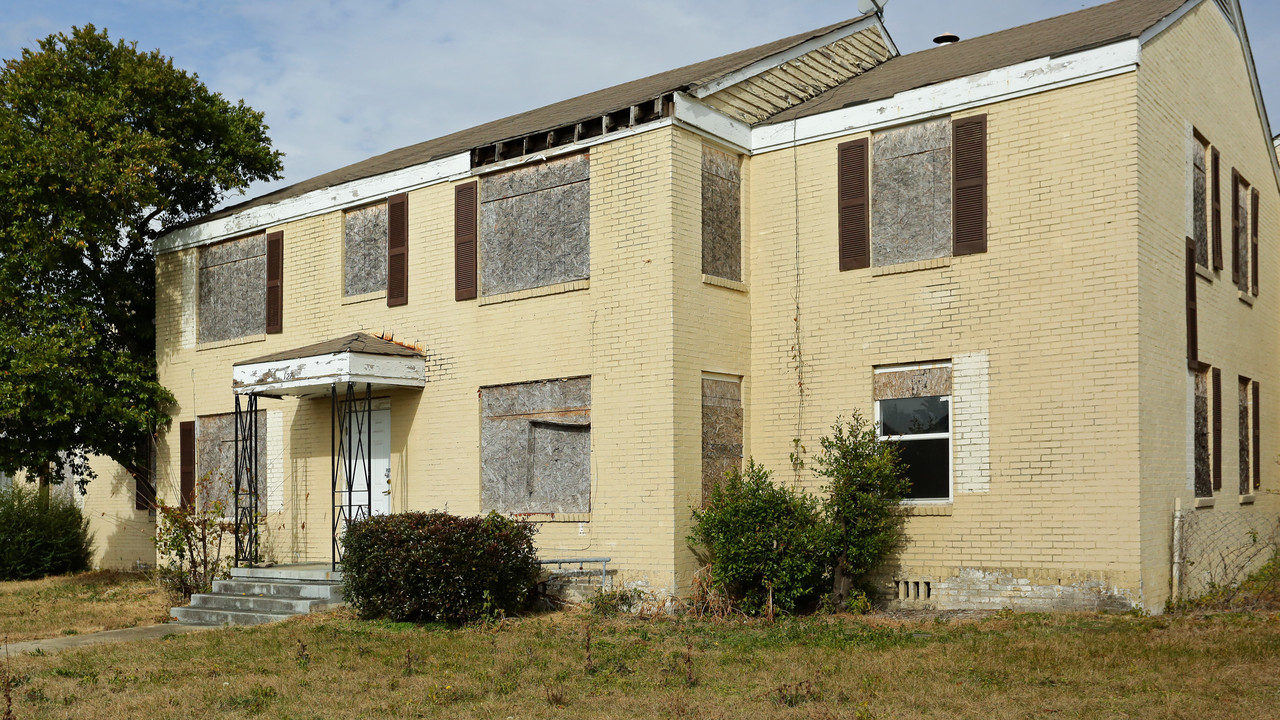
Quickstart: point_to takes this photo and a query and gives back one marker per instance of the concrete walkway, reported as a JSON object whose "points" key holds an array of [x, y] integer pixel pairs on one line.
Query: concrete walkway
{"points": [[69, 642]]}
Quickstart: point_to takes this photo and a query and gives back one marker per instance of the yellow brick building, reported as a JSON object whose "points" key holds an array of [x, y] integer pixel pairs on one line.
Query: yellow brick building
{"points": [[1003, 249]]}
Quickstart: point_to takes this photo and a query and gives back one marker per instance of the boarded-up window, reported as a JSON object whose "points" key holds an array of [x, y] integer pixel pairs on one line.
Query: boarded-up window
{"points": [[233, 289], [911, 193], [721, 214], [1240, 225], [1246, 434], [721, 430], [535, 447], [535, 226], [364, 250], [1200, 200], [216, 458], [1203, 470], [1257, 435]]}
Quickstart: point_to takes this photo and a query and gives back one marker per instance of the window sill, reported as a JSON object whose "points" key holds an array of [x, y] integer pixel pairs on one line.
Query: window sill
{"points": [[724, 283], [901, 268], [367, 297], [246, 340], [1248, 499], [551, 517], [1204, 272], [1246, 298], [940, 509], [557, 289], [1204, 503]]}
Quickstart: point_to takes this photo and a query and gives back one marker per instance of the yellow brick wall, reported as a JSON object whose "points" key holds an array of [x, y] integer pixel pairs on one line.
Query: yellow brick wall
{"points": [[123, 537], [712, 334], [1194, 75], [1051, 303], [619, 331]]}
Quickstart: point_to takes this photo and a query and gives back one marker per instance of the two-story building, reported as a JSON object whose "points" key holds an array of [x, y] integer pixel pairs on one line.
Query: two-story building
{"points": [[1042, 259]]}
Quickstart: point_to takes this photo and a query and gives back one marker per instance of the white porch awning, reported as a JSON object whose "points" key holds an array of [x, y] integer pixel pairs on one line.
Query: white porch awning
{"points": [[314, 369]]}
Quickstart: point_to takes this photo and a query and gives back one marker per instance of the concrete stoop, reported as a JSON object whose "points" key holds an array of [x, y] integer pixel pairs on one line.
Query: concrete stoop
{"points": [[254, 596]]}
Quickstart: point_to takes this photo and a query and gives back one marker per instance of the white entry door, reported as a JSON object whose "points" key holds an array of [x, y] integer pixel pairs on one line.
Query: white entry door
{"points": [[381, 465]]}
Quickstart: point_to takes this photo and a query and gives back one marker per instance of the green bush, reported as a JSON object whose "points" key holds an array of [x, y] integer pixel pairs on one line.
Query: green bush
{"points": [[866, 484], [763, 540], [41, 534], [424, 567]]}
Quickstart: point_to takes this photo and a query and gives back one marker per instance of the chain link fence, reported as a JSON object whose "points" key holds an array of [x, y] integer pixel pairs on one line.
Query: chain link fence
{"points": [[1216, 551]]}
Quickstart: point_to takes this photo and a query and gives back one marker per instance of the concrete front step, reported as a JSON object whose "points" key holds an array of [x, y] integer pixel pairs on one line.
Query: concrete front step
{"points": [[261, 595], [207, 616], [255, 603], [280, 589]]}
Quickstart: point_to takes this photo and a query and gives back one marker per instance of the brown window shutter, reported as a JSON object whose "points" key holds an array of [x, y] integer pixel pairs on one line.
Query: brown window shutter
{"points": [[187, 463], [1193, 338], [275, 282], [969, 186], [853, 174], [1235, 226], [398, 250], [1217, 428], [465, 220], [1257, 436], [1217, 211], [1253, 243]]}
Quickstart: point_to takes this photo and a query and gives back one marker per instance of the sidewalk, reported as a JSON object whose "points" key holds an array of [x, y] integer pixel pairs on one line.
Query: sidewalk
{"points": [[68, 642]]}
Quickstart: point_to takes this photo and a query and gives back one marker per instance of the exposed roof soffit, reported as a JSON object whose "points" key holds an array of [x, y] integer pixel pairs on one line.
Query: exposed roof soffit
{"points": [[778, 59]]}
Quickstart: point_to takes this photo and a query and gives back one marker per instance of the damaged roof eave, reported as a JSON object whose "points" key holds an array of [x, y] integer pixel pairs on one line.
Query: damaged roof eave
{"points": [[315, 375], [764, 65]]}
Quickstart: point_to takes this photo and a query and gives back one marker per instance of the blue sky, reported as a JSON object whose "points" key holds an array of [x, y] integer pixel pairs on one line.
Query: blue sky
{"points": [[342, 80]]}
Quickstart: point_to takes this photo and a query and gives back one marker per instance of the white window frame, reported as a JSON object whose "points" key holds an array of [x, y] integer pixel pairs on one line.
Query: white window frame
{"points": [[948, 435]]}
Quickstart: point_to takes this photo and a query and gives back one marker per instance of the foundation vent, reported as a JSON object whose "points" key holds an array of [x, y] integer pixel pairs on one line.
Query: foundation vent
{"points": [[913, 591]]}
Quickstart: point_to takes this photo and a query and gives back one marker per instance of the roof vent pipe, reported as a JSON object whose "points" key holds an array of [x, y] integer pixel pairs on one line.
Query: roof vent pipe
{"points": [[946, 39]]}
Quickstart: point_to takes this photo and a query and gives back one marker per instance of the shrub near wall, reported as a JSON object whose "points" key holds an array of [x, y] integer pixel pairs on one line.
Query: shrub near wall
{"points": [[424, 567], [40, 535]]}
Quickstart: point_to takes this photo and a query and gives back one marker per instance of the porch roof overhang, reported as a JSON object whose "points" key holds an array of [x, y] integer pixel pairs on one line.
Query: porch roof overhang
{"points": [[312, 370]]}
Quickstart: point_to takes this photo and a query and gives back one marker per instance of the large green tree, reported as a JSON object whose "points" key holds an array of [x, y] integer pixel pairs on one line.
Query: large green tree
{"points": [[102, 148]]}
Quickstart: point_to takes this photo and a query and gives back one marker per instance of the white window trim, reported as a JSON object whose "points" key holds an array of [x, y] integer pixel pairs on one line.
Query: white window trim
{"points": [[948, 435]]}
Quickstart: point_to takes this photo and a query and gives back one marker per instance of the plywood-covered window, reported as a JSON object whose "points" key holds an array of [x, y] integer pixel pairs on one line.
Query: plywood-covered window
{"points": [[1203, 472], [233, 289], [215, 463], [1240, 232], [364, 250], [919, 193], [721, 214], [1200, 201], [535, 446], [535, 226], [721, 429]]}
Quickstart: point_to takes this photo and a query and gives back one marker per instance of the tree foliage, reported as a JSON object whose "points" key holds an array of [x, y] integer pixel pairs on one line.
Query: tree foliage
{"points": [[768, 545], [102, 148], [866, 482]]}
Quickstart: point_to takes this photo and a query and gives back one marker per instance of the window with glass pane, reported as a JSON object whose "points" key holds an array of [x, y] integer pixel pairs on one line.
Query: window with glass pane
{"points": [[922, 427]]}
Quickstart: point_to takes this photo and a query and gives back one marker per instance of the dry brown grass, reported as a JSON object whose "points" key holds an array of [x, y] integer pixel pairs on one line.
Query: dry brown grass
{"points": [[1007, 666], [78, 604]]}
